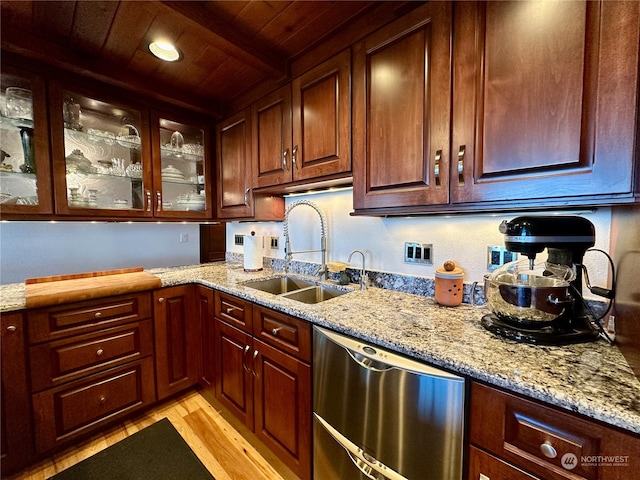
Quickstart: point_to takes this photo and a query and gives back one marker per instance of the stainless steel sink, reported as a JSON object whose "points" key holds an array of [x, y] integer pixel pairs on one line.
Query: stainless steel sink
{"points": [[279, 285], [306, 291], [316, 294]]}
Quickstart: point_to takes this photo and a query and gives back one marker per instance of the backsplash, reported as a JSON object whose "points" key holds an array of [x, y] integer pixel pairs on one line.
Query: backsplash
{"points": [[473, 292], [462, 238]]}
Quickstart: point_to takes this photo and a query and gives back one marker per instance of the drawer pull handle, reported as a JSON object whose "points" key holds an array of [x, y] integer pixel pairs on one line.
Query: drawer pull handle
{"points": [[231, 309], [244, 356], [461, 153], [547, 450], [11, 328], [98, 314], [99, 352], [275, 331], [255, 355]]}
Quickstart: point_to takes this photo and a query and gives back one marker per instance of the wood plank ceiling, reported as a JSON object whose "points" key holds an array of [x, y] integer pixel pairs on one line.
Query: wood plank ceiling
{"points": [[228, 47]]}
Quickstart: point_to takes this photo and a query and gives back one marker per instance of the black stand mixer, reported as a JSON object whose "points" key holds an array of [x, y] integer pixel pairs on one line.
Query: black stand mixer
{"points": [[564, 317]]}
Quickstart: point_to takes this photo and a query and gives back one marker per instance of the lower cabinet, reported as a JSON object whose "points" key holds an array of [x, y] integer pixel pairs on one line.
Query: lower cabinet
{"points": [[515, 438], [263, 376], [91, 363], [17, 434], [177, 331]]}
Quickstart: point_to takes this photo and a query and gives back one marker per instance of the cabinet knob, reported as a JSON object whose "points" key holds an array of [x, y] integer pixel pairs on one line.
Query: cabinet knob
{"points": [[11, 328], [161, 300], [159, 199], [99, 352], [97, 314], [103, 400], [275, 331], [547, 450], [148, 195]]}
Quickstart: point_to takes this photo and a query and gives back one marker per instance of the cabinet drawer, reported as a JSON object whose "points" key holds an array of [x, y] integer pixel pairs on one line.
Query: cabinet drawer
{"points": [[46, 324], [289, 334], [71, 410], [64, 360], [233, 310], [485, 466], [548, 442]]}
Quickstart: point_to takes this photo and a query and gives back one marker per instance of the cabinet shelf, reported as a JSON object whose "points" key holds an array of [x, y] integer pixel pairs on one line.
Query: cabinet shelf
{"points": [[106, 138], [15, 122]]}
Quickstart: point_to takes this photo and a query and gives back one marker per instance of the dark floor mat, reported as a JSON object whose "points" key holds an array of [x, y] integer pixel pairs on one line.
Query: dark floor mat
{"points": [[157, 452]]}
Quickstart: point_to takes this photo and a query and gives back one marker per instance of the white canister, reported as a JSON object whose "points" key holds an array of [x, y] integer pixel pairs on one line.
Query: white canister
{"points": [[253, 249]]}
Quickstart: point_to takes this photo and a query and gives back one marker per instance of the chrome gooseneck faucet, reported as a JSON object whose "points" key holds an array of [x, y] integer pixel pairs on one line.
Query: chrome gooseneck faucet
{"points": [[363, 284], [288, 254]]}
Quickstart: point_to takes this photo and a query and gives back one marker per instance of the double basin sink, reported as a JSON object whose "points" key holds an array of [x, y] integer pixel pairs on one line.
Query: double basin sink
{"points": [[306, 291]]}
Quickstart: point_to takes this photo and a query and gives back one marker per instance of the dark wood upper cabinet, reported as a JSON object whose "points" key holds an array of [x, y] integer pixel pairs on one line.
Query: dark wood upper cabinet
{"points": [[544, 100], [181, 166], [543, 110], [401, 115], [97, 142], [233, 157], [25, 172], [322, 119], [302, 131], [271, 119]]}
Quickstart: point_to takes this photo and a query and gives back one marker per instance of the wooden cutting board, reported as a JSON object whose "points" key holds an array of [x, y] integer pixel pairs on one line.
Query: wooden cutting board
{"points": [[47, 291]]}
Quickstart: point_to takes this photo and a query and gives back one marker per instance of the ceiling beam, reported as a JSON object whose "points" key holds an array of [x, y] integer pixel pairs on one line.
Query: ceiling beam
{"points": [[230, 40], [49, 53]]}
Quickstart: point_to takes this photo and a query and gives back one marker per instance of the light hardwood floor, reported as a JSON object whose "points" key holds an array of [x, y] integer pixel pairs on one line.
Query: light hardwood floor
{"points": [[211, 432]]}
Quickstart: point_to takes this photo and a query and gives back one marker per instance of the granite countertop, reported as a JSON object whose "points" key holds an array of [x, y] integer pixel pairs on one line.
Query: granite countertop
{"points": [[593, 379]]}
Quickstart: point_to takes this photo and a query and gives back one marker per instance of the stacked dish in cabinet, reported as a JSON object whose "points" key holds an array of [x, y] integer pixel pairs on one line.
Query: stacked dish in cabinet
{"points": [[182, 156]]}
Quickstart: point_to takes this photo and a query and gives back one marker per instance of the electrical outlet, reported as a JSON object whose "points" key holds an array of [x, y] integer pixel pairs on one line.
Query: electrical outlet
{"points": [[498, 256], [418, 253], [184, 237], [238, 239], [274, 243]]}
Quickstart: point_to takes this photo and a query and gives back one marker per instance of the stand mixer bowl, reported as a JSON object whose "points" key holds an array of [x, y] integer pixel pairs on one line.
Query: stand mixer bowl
{"points": [[530, 298]]}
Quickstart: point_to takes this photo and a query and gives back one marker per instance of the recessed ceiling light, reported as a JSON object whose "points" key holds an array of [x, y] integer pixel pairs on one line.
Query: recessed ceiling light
{"points": [[164, 51]]}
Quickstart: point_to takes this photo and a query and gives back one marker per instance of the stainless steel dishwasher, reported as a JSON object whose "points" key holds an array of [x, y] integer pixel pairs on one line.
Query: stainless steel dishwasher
{"points": [[378, 415]]}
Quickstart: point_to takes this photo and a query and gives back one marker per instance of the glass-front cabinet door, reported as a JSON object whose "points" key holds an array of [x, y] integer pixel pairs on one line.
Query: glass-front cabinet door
{"points": [[101, 156], [181, 167], [25, 172]]}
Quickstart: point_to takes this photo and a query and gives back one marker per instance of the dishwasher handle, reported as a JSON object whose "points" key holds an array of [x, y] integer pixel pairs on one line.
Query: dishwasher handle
{"points": [[369, 363], [368, 465], [363, 466], [388, 360]]}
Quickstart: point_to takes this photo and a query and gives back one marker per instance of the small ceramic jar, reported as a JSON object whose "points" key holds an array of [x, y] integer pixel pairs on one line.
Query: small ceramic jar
{"points": [[449, 288]]}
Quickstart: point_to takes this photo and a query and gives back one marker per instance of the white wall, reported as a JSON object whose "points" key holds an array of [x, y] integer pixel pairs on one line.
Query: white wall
{"points": [[462, 238], [37, 249]]}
